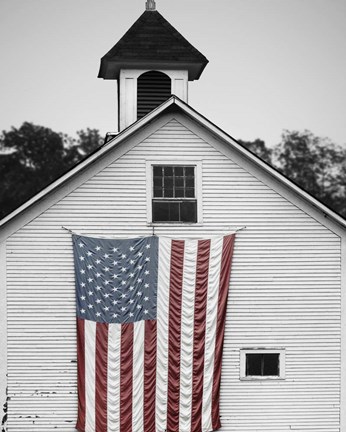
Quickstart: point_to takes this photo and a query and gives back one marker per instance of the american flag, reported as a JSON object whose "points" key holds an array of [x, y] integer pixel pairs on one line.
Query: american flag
{"points": [[150, 327]]}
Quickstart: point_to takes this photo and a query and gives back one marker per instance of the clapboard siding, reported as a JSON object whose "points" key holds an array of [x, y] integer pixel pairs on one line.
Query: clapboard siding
{"points": [[285, 291]]}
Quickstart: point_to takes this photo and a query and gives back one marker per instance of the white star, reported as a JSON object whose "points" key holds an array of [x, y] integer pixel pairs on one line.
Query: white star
{"points": [[90, 293], [139, 307], [98, 301], [81, 245], [106, 308], [98, 314], [106, 295], [131, 288], [132, 248], [139, 294], [147, 259], [139, 280], [115, 302], [98, 261], [98, 288], [90, 280], [115, 262], [131, 314], [82, 284], [82, 311], [140, 254], [131, 301], [98, 275], [106, 282], [106, 269], [82, 297], [146, 311], [106, 255], [90, 306], [123, 283], [115, 315], [148, 246], [82, 271], [146, 298], [90, 266], [98, 248], [132, 275], [123, 295], [81, 258], [146, 285], [89, 253], [139, 267], [115, 289], [115, 276], [132, 262], [123, 256], [146, 272], [123, 309], [123, 269], [115, 249]]}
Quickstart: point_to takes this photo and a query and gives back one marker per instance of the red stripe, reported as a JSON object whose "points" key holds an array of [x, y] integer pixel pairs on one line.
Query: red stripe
{"points": [[227, 252], [149, 376], [80, 426], [101, 366], [126, 377], [175, 297], [201, 290]]}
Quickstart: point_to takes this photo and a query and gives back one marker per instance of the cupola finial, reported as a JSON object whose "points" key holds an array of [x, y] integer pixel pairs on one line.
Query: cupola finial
{"points": [[150, 5]]}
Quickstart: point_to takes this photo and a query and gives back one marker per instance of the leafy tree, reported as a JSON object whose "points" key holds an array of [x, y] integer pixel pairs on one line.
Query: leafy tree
{"points": [[33, 156], [259, 148]]}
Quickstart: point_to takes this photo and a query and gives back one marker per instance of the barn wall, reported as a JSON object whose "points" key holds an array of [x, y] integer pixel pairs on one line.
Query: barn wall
{"points": [[285, 291]]}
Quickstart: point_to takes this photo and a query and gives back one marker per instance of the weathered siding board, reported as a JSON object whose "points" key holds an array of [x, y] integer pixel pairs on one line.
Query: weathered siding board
{"points": [[285, 292]]}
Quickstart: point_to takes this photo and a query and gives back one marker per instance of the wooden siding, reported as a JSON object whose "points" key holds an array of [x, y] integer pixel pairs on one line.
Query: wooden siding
{"points": [[285, 292]]}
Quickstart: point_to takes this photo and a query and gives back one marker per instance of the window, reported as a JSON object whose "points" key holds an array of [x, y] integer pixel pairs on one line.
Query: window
{"points": [[174, 193], [262, 364]]}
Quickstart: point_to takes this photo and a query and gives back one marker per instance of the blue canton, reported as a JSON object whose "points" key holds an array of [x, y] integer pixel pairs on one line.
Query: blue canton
{"points": [[116, 280]]}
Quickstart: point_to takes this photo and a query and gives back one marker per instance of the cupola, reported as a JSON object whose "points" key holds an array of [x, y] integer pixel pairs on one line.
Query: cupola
{"points": [[151, 62]]}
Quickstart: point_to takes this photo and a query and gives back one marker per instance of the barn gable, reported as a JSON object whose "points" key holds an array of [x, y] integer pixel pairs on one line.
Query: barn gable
{"points": [[285, 289]]}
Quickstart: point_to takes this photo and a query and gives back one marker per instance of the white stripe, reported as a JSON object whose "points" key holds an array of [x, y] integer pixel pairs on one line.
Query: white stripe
{"points": [[138, 376], [210, 331], [90, 347], [187, 333], [162, 333], [113, 379]]}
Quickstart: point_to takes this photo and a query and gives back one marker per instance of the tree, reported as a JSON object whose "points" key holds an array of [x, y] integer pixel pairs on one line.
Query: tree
{"points": [[259, 148], [31, 157]]}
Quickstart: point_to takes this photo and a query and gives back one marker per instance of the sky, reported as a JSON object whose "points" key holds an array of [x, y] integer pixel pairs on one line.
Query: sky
{"points": [[273, 64]]}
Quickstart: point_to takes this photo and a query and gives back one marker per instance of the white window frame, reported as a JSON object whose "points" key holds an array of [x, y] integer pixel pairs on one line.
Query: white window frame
{"points": [[192, 161], [282, 363]]}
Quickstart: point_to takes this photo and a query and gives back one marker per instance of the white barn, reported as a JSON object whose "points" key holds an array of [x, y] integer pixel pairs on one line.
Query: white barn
{"points": [[284, 360]]}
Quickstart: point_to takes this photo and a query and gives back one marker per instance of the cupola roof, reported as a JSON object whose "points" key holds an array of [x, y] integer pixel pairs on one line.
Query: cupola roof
{"points": [[153, 43]]}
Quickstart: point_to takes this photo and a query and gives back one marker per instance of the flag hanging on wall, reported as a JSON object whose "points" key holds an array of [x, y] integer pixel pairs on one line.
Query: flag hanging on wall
{"points": [[150, 327]]}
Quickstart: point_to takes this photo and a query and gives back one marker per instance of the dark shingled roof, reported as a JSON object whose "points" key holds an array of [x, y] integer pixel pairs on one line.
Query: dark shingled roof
{"points": [[152, 42]]}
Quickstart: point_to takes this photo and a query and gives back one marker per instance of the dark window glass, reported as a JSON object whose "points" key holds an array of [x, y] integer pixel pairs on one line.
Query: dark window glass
{"points": [[174, 188], [262, 364]]}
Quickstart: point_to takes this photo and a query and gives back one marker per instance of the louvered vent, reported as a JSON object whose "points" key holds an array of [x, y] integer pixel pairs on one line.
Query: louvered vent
{"points": [[153, 88]]}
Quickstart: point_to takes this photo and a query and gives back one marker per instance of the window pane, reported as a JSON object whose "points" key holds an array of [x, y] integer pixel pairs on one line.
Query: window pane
{"points": [[168, 171], [254, 364], [158, 193], [190, 193], [190, 182], [179, 193], [189, 171], [188, 211], [271, 364], [160, 211], [168, 182], [174, 211], [157, 181], [157, 171], [179, 182], [179, 171], [168, 193]]}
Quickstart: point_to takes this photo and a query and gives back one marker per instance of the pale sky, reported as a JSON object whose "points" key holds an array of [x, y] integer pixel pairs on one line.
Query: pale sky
{"points": [[273, 64]]}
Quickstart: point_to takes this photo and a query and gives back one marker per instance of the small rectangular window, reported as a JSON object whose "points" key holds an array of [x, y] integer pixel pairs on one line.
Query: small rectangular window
{"points": [[174, 194], [262, 364]]}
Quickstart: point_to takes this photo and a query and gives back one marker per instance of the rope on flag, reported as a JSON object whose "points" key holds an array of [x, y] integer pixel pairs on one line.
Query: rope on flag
{"points": [[150, 327]]}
